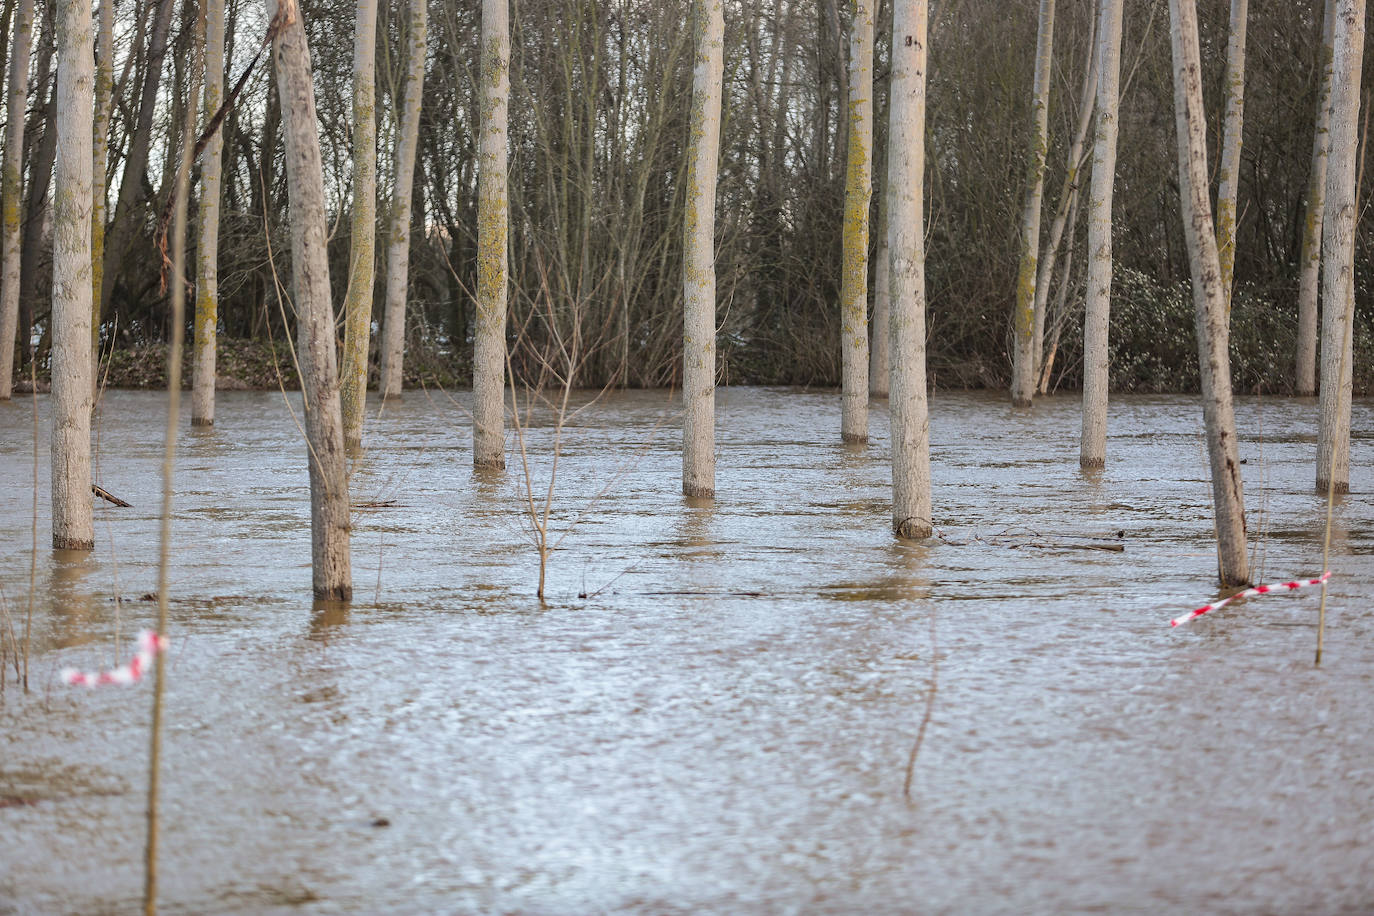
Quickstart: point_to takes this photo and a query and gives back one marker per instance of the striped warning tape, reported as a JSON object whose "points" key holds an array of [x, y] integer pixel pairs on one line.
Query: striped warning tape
{"points": [[1250, 593], [149, 644]]}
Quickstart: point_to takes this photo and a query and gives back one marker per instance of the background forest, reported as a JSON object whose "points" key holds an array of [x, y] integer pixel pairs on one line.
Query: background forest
{"points": [[600, 98]]}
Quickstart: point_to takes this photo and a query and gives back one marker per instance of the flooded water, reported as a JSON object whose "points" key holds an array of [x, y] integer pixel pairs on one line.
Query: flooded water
{"points": [[714, 711]]}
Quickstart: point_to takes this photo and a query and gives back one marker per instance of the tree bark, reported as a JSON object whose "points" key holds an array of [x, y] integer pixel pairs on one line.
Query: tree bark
{"points": [[12, 193], [1309, 262], [911, 508], [1209, 297], [1229, 166], [1097, 309], [362, 249], [72, 523], [699, 269], [205, 325], [398, 240], [858, 194], [329, 508], [493, 238], [1024, 355], [1338, 253], [100, 152], [880, 349]]}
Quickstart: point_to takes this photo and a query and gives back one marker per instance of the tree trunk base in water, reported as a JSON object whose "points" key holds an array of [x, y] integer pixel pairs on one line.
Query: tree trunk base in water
{"points": [[1092, 464], [912, 529], [61, 543], [202, 421], [698, 492], [853, 439], [337, 593], [1324, 486]]}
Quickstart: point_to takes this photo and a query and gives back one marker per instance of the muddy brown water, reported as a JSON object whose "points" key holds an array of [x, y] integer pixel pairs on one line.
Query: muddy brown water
{"points": [[722, 724]]}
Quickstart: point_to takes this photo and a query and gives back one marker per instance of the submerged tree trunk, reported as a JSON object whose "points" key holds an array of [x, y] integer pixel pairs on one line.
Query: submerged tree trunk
{"points": [[1024, 355], [12, 191], [858, 194], [1229, 166], [1338, 253], [493, 233], [362, 252], [911, 509], [329, 509], [206, 322], [1209, 297], [698, 268], [1097, 309], [398, 241], [1309, 262], [72, 523]]}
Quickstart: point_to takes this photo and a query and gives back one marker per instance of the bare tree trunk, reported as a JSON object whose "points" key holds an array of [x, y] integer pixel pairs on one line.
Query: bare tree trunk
{"points": [[72, 523], [1309, 262], [699, 269], [117, 238], [879, 363], [1024, 355], [1229, 166], [911, 509], [329, 510], [1065, 215], [1097, 309], [1209, 297], [362, 252], [12, 189], [104, 106], [858, 194], [206, 322], [1338, 253], [398, 242], [493, 235]]}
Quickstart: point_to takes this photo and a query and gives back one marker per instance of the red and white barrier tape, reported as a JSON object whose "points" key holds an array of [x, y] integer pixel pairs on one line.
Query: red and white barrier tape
{"points": [[149, 644], [1250, 593]]}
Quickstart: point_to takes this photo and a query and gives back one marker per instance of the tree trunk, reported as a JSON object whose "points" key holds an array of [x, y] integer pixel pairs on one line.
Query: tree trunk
{"points": [[362, 249], [1229, 166], [37, 217], [1097, 309], [1338, 253], [104, 106], [72, 523], [879, 364], [699, 269], [911, 510], [1309, 262], [1209, 296], [398, 241], [117, 238], [858, 194], [493, 234], [12, 193], [1024, 355], [329, 508], [206, 322]]}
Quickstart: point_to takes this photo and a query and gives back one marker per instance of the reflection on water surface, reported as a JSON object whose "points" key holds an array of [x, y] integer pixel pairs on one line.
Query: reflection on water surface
{"points": [[722, 723]]}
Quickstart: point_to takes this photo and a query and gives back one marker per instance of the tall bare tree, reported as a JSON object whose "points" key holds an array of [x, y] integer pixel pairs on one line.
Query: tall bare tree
{"points": [[493, 239], [858, 194], [362, 250], [1338, 252], [205, 326], [911, 508], [1228, 178], [100, 154], [329, 508], [698, 268], [1024, 355], [1097, 309], [1209, 296], [12, 192], [398, 218], [72, 523], [1309, 261]]}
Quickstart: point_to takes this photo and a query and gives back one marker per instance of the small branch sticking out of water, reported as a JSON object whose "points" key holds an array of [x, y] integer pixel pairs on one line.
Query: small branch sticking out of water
{"points": [[930, 707]]}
